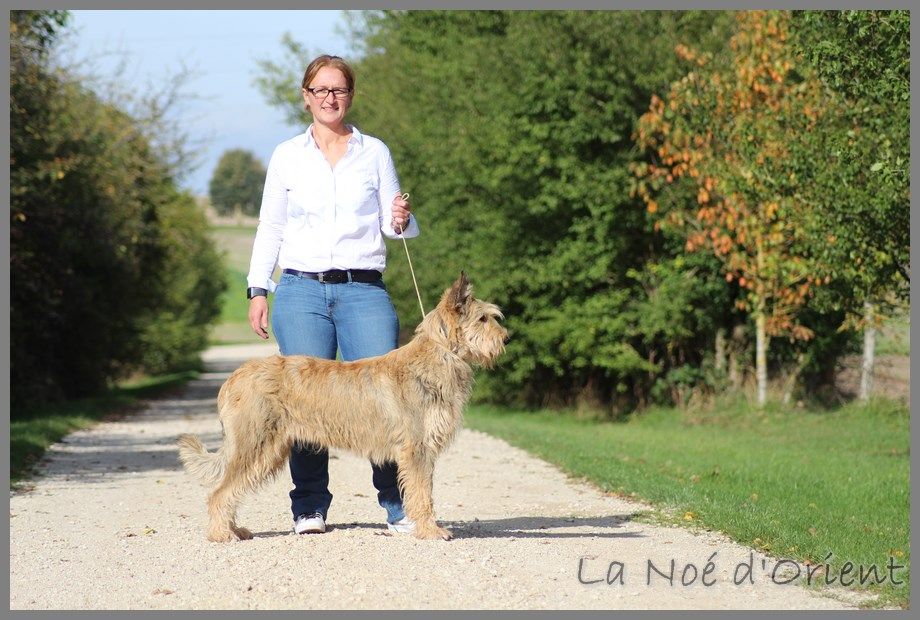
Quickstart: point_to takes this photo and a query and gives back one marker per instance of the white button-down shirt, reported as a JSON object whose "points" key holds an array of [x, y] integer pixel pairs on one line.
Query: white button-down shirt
{"points": [[315, 217]]}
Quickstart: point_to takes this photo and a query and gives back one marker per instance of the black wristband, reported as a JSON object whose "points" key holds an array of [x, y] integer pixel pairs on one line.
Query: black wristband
{"points": [[255, 291]]}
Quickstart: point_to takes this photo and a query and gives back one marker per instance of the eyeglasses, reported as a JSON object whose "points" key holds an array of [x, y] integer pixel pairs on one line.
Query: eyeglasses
{"points": [[338, 93]]}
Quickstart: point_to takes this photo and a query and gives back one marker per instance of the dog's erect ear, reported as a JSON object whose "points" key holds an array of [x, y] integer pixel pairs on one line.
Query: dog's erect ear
{"points": [[460, 292]]}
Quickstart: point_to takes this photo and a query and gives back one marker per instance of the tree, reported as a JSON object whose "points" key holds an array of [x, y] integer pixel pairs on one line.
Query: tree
{"points": [[863, 228], [236, 184], [107, 255], [32, 34], [731, 128]]}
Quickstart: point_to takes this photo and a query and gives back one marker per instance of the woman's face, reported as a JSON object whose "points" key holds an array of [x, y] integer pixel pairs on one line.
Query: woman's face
{"points": [[331, 109]]}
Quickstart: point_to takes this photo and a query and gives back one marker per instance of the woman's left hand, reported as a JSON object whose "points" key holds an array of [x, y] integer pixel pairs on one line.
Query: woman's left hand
{"points": [[400, 213]]}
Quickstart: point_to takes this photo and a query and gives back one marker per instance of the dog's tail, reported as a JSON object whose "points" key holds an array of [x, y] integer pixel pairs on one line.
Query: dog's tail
{"points": [[208, 467]]}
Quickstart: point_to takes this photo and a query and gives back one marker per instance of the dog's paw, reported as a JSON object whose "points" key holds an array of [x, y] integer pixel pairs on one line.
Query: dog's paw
{"points": [[222, 536], [232, 534], [242, 533], [433, 533]]}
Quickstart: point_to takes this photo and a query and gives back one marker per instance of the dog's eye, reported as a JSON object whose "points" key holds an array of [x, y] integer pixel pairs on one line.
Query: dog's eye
{"points": [[483, 318]]}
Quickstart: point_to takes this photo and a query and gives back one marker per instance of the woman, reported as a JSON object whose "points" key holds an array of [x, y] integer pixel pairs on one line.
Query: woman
{"points": [[330, 196]]}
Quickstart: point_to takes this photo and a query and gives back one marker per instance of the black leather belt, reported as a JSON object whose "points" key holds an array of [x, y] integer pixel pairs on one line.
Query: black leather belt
{"points": [[338, 276]]}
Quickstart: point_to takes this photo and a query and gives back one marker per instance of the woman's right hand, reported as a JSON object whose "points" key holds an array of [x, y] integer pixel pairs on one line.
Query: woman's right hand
{"points": [[258, 316]]}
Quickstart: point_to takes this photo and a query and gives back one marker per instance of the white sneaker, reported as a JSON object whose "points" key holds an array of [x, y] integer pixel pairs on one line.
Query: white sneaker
{"points": [[310, 524], [403, 526]]}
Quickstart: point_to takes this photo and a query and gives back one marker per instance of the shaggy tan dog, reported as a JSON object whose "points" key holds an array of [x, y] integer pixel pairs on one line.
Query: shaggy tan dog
{"points": [[405, 406]]}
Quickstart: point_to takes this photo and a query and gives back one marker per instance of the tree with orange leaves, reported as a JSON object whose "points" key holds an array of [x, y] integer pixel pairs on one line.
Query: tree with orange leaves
{"points": [[729, 130]]}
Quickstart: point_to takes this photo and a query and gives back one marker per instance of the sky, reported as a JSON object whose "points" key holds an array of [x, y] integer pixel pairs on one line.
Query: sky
{"points": [[221, 49]]}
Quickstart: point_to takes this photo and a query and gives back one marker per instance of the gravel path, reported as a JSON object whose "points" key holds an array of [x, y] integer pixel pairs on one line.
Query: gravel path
{"points": [[113, 522]]}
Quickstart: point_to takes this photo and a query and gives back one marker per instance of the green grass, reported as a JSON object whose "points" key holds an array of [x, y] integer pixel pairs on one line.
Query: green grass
{"points": [[794, 484], [233, 327], [236, 244], [234, 303], [32, 431]]}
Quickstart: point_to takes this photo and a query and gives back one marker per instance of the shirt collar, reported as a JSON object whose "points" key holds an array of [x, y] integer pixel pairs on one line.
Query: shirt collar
{"points": [[356, 136]]}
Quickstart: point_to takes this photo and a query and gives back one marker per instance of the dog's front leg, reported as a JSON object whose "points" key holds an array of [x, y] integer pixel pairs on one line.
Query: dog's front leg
{"points": [[416, 478]]}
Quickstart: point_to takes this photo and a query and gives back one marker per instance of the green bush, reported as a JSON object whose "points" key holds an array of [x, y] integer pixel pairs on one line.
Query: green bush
{"points": [[111, 267], [190, 283]]}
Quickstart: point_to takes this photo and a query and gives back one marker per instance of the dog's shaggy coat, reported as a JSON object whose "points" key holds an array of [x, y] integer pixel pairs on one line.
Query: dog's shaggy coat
{"points": [[405, 406]]}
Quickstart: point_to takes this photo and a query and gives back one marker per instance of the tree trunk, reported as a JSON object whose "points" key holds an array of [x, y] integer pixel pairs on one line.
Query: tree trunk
{"points": [[735, 351], [720, 348], [760, 319], [868, 361], [762, 344], [793, 378]]}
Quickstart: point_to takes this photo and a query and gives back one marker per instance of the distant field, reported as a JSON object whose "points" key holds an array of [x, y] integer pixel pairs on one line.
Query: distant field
{"points": [[894, 337], [892, 363], [236, 244]]}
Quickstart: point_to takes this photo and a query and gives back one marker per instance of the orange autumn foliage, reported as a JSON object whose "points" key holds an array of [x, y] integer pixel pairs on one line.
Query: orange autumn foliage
{"points": [[725, 129]]}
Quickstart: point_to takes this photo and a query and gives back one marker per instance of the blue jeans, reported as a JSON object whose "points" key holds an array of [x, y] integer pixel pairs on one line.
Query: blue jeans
{"points": [[358, 319]]}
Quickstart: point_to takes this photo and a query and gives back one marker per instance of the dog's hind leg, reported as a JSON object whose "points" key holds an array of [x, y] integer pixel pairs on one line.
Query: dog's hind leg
{"points": [[244, 472], [222, 504], [416, 480]]}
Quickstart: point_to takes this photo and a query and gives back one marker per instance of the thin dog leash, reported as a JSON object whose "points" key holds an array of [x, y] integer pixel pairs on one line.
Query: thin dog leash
{"points": [[411, 270]]}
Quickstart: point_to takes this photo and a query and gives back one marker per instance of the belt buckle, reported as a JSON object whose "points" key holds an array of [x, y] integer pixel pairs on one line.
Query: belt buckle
{"points": [[321, 276]]}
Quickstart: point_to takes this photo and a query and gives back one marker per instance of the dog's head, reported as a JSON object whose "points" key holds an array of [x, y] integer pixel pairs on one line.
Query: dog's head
{"points": [[468, 326]]}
